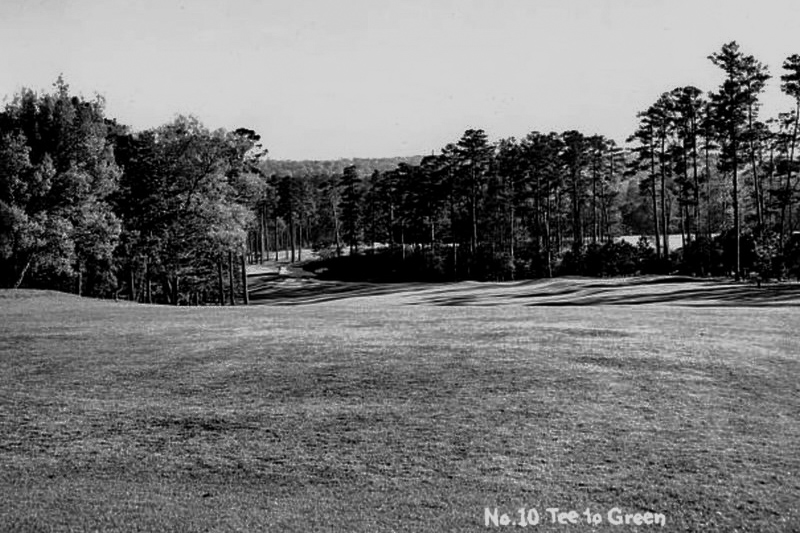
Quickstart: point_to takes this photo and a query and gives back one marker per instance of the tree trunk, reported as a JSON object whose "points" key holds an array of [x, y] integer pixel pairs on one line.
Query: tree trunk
{"points": [[736, 228], [654, 195], [605, 223], [577, 223], [708, 189], [276, 238], [791, 162], [248, 243], [148, 283], [22, 273], [453, 235], [786, 211], [300, 239], [771, 177], [265, 220], [537, 214], [546, 239], [231, 285], [595, 225], [336, 231], [696, 216], [176, 292], [132, 272], [756, 179], [167, 287], [403, 239], [220, 283], [664, 216], [683, 209], [511, 240], [80, 279], [373, 226], [245, 295], [262, 230], [473, 243], [291, 235], [559, 220], [686, 235], [142, 291]]}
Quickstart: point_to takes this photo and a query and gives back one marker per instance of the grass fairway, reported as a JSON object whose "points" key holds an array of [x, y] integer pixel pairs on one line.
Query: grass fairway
{"points": [[390, 413]]}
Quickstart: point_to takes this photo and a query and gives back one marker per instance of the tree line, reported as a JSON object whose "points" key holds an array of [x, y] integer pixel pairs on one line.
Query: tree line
{"points": [[710, 164], [703, 166], [88, 206], [172, 214]]}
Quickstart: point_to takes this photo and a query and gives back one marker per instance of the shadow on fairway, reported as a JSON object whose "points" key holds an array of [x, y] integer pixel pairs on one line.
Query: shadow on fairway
{"points": [[306, 291], [553, 292], [708, 295]]}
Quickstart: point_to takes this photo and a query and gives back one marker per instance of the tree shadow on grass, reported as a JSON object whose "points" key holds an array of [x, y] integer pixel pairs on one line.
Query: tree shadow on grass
{"points": [[559, 292], [313, 291], [708, 295]]}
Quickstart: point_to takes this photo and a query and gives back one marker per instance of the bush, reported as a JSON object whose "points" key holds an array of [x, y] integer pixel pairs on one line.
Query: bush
{"points": [[766, 258], [613, 258], [573, 262], [648, 262], [790, 260], [701, 257], [747, 251]]}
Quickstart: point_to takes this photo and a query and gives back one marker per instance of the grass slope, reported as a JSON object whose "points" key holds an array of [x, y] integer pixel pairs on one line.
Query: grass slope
{"points": [[372, 414]]}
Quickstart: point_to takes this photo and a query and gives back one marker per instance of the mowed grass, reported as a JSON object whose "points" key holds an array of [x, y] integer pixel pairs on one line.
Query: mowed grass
{"points": [[373, 414]]}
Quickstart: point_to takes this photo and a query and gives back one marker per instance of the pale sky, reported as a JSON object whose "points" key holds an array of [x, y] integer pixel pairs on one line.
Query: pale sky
{"points": [[324, 79]]}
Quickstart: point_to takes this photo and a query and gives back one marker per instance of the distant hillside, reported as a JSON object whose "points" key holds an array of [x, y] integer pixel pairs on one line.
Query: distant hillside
{"points": [[332, 167]]}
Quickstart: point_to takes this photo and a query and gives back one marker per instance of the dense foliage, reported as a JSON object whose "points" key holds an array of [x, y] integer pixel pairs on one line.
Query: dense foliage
{"points": [[88, 205]]}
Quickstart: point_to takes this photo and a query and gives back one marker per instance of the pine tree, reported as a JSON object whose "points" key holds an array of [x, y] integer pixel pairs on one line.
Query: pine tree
{"points": [[351, 206], [790, 84], [474, 155], [733, 110]]}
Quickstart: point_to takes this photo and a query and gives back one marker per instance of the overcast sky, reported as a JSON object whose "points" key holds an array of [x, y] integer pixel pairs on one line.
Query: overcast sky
{"points": [[323, 79]]}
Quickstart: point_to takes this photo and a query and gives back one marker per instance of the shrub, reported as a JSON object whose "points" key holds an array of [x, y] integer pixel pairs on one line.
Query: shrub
{"points": [[790, 260]]}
